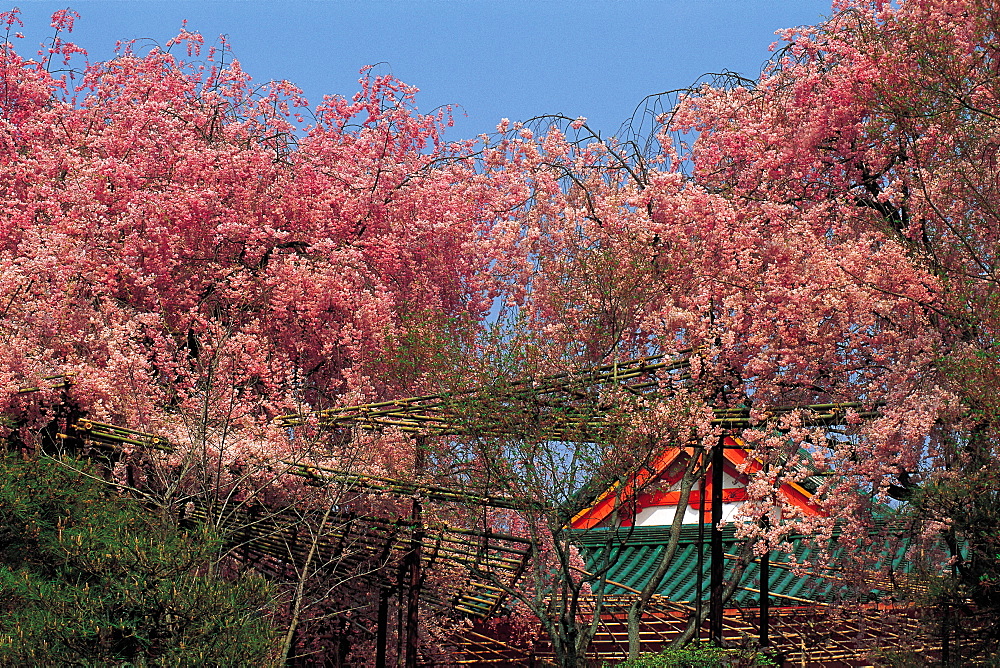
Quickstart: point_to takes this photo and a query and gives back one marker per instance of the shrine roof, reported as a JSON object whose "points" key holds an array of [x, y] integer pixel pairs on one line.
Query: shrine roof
{"points": [[633, 554]]}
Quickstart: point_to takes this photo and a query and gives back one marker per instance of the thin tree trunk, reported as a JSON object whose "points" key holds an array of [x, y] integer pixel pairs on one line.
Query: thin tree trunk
{"points": [[639, 605], [743, 558], [286, 645]]}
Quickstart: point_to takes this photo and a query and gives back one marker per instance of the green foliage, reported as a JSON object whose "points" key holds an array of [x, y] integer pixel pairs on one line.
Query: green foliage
{"points": [[91, 578], [698, 656], [901, 658]]}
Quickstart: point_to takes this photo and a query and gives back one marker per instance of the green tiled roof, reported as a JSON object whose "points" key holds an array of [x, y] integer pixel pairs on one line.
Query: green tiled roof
{"points": [[631, 554]]}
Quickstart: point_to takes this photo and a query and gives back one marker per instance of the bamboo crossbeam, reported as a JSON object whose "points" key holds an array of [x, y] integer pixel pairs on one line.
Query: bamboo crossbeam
{"points": [[487, 602], [115, 435], [101, 432], [477, 558], [786, 596], [280, 548], [66, 380], [469, 597], [468, 611], [324, 474], [349, 543], [599, 374], [518, 389], [442, 414], [493, 534], [491, 587]]}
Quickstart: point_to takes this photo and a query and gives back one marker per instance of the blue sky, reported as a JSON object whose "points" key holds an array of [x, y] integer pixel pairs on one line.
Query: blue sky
{"points": [[494, 58]]}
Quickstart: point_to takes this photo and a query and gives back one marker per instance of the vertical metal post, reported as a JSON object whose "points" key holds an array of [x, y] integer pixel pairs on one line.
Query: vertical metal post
{"points": [[400, 615], [715, 600], [700, 593], [416, 542], [765, 599], [945, 637], [413, 589]]}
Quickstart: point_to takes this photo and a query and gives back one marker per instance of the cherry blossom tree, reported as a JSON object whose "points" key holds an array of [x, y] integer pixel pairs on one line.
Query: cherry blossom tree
{"points": [[827, 237], [782, 246], [203, 261], [881, 125], [202, 258]]}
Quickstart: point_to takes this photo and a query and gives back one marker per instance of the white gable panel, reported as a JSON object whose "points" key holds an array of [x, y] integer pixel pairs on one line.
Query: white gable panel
{"points": [[655, 516]]}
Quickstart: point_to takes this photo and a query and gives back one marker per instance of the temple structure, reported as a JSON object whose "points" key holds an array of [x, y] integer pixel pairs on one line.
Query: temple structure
{"points": [[651, 496]]}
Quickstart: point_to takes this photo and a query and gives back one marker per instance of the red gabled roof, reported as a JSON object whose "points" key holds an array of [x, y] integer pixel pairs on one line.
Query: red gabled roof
{"points": [[628, 494]]}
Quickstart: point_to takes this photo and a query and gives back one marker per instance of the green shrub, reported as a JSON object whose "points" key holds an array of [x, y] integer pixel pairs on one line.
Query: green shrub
{"points": [[88, 577], [698, 656]]}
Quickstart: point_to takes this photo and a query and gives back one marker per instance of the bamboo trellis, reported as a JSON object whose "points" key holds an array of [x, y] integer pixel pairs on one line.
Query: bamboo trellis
{"points": [[568, 397], [364, 546], [368, 549], [323, 475], [570, 404], [567, 406], [115, 436], [94, 432], [803, 635], [61, 381]]}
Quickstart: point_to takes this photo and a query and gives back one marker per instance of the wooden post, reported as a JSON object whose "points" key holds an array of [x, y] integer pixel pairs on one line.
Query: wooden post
{"points": [[715, 600]]}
